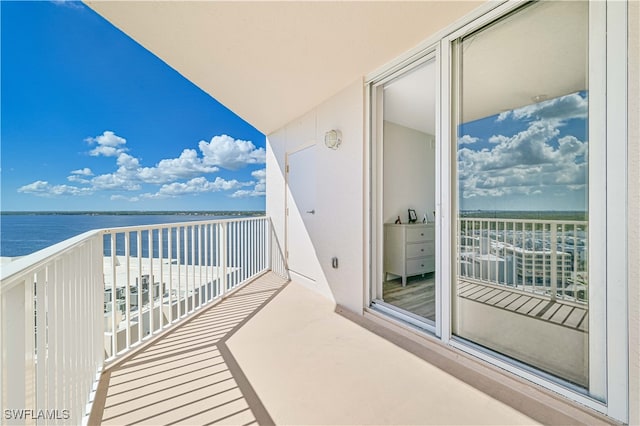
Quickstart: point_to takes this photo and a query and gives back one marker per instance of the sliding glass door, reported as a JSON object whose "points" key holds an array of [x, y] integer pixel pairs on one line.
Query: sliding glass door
{"points": [[406, 123], [492, 153], [523, 284]]}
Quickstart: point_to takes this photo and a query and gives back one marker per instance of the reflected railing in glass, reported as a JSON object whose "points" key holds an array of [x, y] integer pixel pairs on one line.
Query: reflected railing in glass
{"points": [[545, 257]]}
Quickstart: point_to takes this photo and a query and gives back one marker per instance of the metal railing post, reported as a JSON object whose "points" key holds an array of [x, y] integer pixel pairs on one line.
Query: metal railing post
{"points": [[224, 246], [114, 292]]}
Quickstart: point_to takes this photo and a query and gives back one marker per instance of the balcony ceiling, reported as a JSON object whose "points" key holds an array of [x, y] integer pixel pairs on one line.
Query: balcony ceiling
{"points": [[270, 62]]}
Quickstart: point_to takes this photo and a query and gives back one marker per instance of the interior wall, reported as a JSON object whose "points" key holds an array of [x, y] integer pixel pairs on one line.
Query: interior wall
{"points": [[338, 229], [409, 173]]}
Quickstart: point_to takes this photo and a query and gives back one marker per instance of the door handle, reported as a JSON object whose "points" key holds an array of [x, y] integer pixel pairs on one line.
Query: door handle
{"points": [[311, 211]]}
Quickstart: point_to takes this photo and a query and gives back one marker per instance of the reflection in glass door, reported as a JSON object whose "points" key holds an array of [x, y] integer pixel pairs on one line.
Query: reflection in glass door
{"points": [[407, 277], [522, 171]]}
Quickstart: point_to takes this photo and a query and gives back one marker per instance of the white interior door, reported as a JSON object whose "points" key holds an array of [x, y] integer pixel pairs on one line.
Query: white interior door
{"points": [[301, 196]]}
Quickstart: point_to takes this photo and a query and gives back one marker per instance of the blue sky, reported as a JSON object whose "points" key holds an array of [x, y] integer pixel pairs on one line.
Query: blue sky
{"points": [[530, 158], [90, 120]]}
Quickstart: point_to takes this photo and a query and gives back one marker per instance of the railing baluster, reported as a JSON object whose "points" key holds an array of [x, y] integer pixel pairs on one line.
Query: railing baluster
{"points": [[193, 267], [66, 324], [114, 340], [170, 262], [198, 265], [269, 253], [554, 262], [187, 262], [243, 250], [225, 247], [152, 282], [54, 337], [207, 263], [41, 330], [140, 287], [178, 257], [161, 322], [238, 260], [127, 288]]}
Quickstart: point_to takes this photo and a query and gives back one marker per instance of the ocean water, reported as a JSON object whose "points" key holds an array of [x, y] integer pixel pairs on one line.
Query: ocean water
{"points": [[22, 234]]}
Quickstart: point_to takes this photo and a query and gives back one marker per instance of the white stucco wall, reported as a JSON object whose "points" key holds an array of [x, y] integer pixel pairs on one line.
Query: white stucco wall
{"points": [[338, 229]]}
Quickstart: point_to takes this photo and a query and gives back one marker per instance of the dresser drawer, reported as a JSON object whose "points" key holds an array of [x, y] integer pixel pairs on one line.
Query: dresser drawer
{"points": [[419, 233], [420, 249], [421, 266]]}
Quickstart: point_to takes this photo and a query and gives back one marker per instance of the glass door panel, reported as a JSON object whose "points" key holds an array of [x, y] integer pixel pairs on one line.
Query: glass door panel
{"points": [[522, 188], [408, 193]]}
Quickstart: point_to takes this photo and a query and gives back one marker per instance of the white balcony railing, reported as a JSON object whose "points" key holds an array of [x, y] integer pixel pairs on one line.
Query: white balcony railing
{"points": [[547, 257], [72, 307]]}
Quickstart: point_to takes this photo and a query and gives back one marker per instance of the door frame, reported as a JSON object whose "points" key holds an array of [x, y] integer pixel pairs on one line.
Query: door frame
{"points": [[376, 182]]}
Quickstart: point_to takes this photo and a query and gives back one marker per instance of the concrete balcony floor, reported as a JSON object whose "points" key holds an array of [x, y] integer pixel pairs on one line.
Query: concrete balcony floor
{"points": [[279, 353]]}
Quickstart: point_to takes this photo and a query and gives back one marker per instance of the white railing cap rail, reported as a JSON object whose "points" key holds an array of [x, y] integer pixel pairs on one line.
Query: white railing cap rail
{"points": [[33, 261], [178, 224]]}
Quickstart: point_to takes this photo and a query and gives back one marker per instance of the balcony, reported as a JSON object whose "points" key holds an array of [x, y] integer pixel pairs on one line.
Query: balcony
{"points": [[198, 323], [279, 353]]}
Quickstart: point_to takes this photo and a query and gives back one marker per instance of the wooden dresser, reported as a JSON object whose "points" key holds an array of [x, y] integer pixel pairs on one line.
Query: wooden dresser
{"points": [[409, 249]]}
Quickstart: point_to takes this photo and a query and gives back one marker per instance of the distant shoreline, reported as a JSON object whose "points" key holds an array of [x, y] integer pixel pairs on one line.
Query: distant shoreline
{"points": [[139, 213], [526, 214]]}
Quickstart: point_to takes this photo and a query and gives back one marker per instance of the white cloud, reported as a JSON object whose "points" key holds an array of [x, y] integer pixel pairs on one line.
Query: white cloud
{"points": [[524, 163], [260, 174], [72, 4], [80, 175], [84, 172], [109, 144], [187, 165], [78, 179], [42, 188], [558, 109], [467, 140], [119, 197], [196, 186], [498, 139], [127, 162], [130, 174], [124, 178], [115, 181], [230, 153], [192, 165], [37, 186], [258, 190], [503, 116]]}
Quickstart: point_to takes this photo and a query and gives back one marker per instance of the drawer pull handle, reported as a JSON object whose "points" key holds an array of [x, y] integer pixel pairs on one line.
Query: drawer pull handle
{"points": [[422, 234], [421, 249]]}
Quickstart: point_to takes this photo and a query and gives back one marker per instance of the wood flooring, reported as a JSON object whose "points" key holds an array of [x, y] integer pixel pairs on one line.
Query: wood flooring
{"points": [[417, 297]]}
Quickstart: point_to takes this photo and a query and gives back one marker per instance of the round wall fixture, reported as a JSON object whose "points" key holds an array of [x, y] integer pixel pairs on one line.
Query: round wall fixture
{"points": [[333, 139]]}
